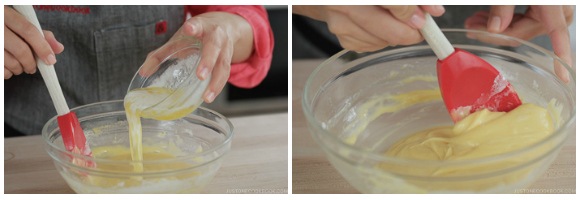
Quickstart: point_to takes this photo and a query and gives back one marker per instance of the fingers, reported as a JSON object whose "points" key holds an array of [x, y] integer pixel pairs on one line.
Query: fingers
{"points": [[7, 73], [409, 14], [55, 45], [358, 45], [353, 37], [212, 45], [538, 20], [413, 15], [193, 27], [22, 41], [370, 28], [20, 50], [216, 55], [479, 19], [219, 76], [499, 18], [31, 35], [382, 24], [524, 28], [554, 21], [569, 13], [11, 64], [521, 27], [434, 10]]}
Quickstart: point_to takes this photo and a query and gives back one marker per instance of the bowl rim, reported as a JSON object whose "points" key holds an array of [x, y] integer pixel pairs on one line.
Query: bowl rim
{"points": [[306, 107], [225, 142]]}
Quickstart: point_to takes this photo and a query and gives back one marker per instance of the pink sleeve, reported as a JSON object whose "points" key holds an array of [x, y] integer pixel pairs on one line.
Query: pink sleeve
{"points": [[252, 71]]}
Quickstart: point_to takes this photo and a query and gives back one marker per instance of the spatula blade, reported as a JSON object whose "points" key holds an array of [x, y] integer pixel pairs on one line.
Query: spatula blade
{"points": [[469, 83]]}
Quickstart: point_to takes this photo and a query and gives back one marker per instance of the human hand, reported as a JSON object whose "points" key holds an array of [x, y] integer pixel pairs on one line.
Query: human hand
{"points": [[370, 28], [226, 38], [537, 20], [22, 41]]}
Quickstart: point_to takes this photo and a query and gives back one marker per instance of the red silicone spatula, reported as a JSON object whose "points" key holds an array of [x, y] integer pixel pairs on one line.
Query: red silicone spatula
{"points": [[467, 82], [70, 128]]}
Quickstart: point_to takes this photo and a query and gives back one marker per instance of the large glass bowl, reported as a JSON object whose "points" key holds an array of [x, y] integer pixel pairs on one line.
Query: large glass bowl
{"points": [[198, 142], [336, 91]]}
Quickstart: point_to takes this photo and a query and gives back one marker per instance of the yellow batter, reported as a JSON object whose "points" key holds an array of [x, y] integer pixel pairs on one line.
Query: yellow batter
{"points": [[479, 135]]}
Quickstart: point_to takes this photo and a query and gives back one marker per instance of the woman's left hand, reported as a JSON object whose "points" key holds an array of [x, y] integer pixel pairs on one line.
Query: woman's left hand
{"points": [[538, 20]]}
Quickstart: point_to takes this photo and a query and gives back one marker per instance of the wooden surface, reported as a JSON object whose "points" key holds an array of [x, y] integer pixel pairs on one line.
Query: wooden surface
{"points": [[257, 162], [312, 173]]}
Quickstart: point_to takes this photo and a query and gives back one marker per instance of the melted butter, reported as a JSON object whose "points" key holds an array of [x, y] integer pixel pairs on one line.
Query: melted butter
{"points": [[144, 103]]}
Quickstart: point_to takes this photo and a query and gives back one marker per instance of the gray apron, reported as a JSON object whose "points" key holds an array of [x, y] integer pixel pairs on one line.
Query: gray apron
{"points": [[104, 47]]}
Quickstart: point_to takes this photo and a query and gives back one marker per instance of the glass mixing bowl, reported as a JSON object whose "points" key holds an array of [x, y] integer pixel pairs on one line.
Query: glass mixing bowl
{"points": [[355, 144], [198, 143]]}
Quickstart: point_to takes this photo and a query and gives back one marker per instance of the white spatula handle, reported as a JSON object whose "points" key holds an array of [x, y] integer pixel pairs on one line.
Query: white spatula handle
{"points": [[47, 71], [435, 38]]}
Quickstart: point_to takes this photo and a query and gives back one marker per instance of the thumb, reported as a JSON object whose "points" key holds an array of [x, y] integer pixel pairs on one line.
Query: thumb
{"points": [[499, 18], [193, 27]]}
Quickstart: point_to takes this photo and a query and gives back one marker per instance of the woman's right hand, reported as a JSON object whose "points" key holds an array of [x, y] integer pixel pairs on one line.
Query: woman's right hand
{"points": [[21, 40], [370, 28]]}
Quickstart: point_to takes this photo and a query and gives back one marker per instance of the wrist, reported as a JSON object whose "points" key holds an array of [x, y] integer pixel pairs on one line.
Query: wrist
{"points": [[238, 28], [241, 32]]}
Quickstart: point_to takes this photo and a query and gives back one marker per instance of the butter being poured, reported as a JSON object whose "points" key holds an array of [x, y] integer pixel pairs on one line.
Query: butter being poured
{"points": [[144, 103]]}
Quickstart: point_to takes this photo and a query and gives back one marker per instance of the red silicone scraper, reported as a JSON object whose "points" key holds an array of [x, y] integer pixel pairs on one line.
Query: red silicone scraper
{"points": [[467, 82], [70, 128]]}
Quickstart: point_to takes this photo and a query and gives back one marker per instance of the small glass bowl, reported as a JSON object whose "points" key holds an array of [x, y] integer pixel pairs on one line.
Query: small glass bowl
{"points": [[174, 66]]}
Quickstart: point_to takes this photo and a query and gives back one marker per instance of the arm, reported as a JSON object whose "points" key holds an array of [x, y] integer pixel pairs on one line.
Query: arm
{"points": [[370, 28]]}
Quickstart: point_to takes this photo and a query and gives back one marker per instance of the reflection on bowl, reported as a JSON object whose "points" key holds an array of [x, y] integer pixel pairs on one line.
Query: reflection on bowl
{"points": [[355, 136], [180, 156]]}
